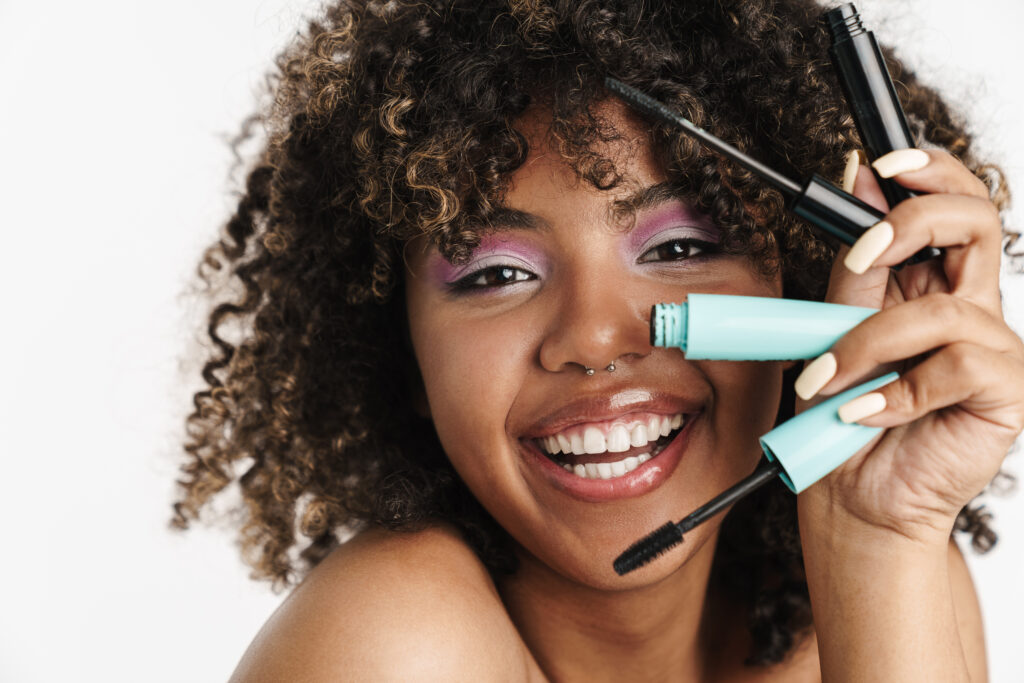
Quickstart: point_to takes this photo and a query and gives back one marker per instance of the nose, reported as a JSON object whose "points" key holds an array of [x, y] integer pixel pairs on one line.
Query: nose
{"points": [[596, 322]]}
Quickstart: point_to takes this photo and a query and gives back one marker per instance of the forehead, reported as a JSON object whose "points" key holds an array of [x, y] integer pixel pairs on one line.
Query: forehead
{"points": [[621, 154], [622, 142], [550, 181]]}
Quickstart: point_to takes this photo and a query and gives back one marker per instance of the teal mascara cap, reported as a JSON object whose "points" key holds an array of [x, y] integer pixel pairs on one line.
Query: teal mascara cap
{"points": [[730, 327], [816, 441]]}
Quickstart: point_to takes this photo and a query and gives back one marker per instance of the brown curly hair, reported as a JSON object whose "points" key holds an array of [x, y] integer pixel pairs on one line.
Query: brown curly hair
{"points": [[392, 120]]}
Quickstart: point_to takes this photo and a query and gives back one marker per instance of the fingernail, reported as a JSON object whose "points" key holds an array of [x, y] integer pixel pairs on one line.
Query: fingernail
{"points": [[866, 250], [861, 407], [853, 161], [816, 375], [901, 161]]}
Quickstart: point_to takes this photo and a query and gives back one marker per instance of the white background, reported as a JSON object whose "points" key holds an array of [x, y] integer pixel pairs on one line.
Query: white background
{"points": [[113, 177]]}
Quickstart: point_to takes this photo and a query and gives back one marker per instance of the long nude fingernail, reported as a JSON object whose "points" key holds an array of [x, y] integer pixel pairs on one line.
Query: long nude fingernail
{"points": [[816, 375], [861, 407], [853, 162], [901, 161], [866, 250]]}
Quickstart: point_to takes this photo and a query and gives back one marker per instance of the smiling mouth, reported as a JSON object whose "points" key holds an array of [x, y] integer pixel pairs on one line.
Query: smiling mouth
{"points": [[610, 461]]}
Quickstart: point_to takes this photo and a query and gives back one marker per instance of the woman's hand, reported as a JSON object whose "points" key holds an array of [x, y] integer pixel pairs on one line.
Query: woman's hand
{"points": [[959, 402]]}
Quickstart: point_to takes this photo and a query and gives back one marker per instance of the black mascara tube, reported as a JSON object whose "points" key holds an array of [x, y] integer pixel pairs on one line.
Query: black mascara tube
{"points": [[870, 92]]}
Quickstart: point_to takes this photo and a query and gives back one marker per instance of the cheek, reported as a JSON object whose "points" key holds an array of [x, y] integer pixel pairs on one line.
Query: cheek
{"points": [[746, 401], [471, 372]]}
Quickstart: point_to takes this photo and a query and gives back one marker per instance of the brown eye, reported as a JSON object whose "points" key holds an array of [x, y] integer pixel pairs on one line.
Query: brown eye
{"points": [[495, 276], [677, 250]]}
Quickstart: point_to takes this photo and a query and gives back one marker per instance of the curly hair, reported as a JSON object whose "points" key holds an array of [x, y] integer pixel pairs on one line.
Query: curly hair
{"points": [[394, 120]]}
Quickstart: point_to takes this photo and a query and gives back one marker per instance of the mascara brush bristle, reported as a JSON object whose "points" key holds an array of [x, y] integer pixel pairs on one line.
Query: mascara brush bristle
{"points": [[644, 102], [648, 548]]}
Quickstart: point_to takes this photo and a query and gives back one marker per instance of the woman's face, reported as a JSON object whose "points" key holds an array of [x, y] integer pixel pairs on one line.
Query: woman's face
{"points": [[564, 284]]}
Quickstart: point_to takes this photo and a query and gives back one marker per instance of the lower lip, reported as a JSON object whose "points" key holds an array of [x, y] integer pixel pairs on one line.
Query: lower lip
{"points": [[644, 478]]}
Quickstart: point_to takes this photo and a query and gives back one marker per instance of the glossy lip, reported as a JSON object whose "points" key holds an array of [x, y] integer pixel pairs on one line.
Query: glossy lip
{"points": [[643, 479]]}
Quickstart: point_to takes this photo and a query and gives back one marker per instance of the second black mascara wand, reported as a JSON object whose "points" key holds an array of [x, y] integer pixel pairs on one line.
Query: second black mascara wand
{"points": [[816, 200], [665, 537]]}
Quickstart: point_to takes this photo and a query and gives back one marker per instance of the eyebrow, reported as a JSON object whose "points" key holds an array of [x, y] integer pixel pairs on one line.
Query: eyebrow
{"points": [[643, 198], [646, 198]]}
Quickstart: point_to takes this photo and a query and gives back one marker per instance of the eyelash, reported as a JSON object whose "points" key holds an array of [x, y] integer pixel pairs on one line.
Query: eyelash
{"points": [[705, 248], [465, 284]]}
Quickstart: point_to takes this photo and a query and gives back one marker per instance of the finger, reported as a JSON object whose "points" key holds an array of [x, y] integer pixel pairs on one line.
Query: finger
{"points": [[846, 287], [932, 171], [900, 332], [859, 181], [979, 380], [968, 227]]}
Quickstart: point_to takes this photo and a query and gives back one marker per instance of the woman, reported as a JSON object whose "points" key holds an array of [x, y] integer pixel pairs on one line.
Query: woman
{"points": [[449, 248]]}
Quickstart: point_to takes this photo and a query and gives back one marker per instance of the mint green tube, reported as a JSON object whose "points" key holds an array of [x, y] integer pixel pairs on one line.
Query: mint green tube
{"points": [[816, 441], [727, 327]]}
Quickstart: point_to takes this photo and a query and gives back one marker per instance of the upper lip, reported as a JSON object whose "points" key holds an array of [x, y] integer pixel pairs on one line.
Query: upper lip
{"points": [[611, 405]]}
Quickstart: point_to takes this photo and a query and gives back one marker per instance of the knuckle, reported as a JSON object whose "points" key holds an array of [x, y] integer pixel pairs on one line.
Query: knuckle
{"points": [[979, 189], [943, 307], [911, 213], [905, 395], [993, 225], [964, 360]]}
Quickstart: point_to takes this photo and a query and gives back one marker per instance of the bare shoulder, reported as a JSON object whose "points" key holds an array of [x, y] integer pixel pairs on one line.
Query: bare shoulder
{"points": [[396, 606]]}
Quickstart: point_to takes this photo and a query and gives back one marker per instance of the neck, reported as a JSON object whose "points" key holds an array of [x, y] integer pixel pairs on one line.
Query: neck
{"points": [[661, 631]]}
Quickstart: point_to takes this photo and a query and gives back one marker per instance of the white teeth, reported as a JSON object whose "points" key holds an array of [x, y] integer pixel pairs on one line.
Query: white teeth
{"points": [[618, 439], [593, 441], [608, 470], [638, 437]]}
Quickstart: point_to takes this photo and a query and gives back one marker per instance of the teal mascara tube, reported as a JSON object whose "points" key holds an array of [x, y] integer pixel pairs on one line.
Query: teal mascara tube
{"points": [[801, 450], [727, 327]]}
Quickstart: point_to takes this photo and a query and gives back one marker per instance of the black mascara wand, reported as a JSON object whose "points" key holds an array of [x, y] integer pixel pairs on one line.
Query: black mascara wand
{"points": [[671, 534], [653, 107], [816, 200]]}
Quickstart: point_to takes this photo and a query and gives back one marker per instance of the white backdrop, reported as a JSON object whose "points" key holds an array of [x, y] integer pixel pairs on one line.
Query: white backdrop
{"points": [[113, 177]]}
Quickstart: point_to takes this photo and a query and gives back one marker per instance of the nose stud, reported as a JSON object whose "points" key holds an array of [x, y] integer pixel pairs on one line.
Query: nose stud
{"points": [[590, 371]]}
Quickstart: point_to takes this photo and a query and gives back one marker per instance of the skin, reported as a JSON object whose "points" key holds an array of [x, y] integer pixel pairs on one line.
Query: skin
{"points": [[882, 519], [586, 307], [891, 597]]}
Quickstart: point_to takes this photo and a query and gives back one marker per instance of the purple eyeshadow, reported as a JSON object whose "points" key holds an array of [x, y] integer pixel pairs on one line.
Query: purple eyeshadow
{"points": [[500, 244], [672, 215], [514, 248]]}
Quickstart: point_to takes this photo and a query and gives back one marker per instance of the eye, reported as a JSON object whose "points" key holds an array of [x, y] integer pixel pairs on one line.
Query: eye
{"points": [[678, 249], [490, 278]]}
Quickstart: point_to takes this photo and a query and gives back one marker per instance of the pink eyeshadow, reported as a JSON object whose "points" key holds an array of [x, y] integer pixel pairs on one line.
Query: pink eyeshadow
{"points": [[671, 215], [441, 271]]}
